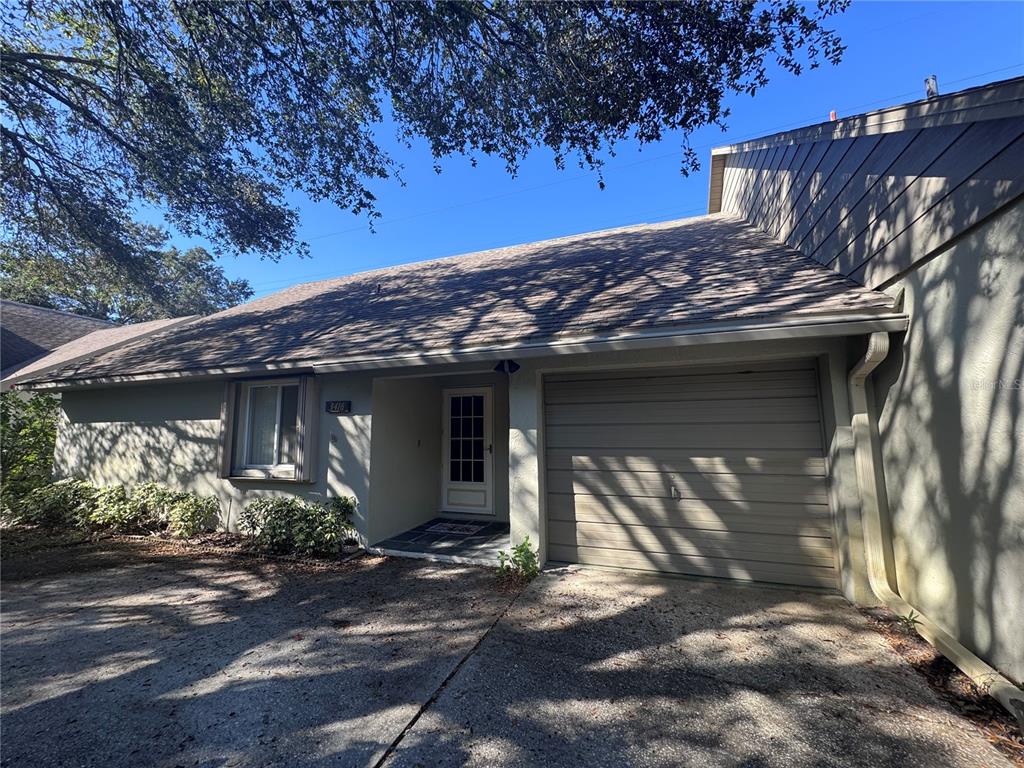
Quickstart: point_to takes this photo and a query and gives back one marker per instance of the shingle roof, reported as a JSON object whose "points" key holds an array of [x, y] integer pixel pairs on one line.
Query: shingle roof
{"points": [[84, 346], [27, 331], [649, 276]]}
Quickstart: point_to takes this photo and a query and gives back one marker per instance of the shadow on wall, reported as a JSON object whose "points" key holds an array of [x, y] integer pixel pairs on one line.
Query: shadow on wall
{"points": [[951, 400], [178, 454]]}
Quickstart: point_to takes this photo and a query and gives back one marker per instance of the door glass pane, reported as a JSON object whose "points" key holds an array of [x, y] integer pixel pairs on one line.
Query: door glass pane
{"points": [[466, 439], [262, 423], [289, 423]]}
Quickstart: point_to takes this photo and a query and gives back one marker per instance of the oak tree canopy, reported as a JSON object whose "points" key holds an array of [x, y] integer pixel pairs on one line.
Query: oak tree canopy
{"points": [[213, 111]]}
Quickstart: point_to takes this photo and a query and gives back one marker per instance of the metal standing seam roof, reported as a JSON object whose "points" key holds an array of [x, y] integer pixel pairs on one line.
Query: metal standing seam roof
{"points": [[637, 278]]}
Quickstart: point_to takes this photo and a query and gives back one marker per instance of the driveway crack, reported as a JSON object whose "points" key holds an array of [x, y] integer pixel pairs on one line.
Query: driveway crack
{"points": [[444, 683]]}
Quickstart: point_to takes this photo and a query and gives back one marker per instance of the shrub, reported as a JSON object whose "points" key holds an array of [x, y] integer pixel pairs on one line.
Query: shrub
{"points": [[191, 514], [117, 512], [154, 502], [521, 565], [284, 525], [64, 504]]}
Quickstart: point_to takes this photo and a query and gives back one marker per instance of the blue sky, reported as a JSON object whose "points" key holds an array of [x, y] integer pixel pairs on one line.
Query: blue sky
{"points": [[891, 48]]}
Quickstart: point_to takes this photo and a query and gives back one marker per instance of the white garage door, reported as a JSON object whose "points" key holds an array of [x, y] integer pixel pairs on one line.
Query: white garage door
{"points": [[716, 473]]}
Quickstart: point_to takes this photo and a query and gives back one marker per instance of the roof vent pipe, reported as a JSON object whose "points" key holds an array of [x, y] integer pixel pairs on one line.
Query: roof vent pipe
{"points": [[931, 86]]}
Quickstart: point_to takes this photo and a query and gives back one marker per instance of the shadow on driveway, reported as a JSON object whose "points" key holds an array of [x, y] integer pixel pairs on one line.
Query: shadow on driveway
{"points": [[128, 659]]}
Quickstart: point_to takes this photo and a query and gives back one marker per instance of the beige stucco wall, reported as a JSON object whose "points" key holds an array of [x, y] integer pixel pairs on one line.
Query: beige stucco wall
{"points": [[951, 424], [405, 455], [170, 433]]}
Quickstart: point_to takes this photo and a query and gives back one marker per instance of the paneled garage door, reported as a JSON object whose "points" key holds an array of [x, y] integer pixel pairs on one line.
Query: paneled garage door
{"points": [[716, 473]]}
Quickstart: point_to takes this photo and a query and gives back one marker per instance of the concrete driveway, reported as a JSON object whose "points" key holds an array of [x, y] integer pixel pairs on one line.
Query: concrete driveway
{"points": [[117, 658]]}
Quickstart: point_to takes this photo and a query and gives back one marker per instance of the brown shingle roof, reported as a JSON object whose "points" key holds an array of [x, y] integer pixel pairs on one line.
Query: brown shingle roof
{"points": [[702, 269]]}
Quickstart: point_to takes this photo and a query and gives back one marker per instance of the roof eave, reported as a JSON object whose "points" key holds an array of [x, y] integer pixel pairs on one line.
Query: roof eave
{"points": [[810, 327]]}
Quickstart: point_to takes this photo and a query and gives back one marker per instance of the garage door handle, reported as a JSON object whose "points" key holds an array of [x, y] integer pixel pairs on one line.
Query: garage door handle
{"points": [[490, 447]]}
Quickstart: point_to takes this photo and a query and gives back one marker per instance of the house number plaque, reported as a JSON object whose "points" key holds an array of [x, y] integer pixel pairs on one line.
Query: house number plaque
{"points": [[339, 406]]}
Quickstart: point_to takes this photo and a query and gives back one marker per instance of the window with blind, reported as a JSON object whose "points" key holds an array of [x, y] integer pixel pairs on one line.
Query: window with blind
{"points": [[268, 425]]}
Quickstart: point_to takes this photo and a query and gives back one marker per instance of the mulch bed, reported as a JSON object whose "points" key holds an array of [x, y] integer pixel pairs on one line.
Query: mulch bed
{"points": [[952, 685], [28, 552]]}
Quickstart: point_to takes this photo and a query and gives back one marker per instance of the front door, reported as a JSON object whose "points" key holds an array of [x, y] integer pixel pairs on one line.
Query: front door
{"points": [[468, 451]]}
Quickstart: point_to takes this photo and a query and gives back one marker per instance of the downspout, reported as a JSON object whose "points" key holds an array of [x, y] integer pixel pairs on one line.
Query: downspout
{"points": [[878, 545]]}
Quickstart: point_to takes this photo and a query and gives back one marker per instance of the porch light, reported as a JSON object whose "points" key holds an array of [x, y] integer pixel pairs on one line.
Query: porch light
{"points": [[506, 366]]}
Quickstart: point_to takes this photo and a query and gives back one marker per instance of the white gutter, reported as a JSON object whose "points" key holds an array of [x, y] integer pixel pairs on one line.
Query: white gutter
{"points": [[708, 333], [878, 544]]}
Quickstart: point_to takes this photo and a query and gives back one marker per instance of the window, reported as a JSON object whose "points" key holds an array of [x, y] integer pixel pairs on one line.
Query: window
{"points": [[466, 436], [267, 433]]}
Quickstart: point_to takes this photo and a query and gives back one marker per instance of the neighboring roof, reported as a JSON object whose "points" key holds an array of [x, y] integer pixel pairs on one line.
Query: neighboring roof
{"points": [[27, 331], [650, 276], [869, 196], [86, 346]]}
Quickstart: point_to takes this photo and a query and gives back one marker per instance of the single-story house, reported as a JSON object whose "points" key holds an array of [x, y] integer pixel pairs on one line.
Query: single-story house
{"points": [[816, 384]]}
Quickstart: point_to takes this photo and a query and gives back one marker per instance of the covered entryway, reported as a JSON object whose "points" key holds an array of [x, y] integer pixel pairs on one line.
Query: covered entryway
{"points": [[714, 472]]}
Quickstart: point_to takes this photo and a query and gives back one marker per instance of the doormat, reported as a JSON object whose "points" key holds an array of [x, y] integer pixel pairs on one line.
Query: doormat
{"points": [[466, 529]]}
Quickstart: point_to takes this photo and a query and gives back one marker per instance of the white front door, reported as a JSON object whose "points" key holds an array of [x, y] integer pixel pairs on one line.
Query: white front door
{"points": [[468, 451]]}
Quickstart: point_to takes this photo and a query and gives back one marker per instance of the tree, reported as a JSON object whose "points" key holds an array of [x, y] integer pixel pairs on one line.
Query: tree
{"points": [[163, 282], [28, 432], [213, 110]]}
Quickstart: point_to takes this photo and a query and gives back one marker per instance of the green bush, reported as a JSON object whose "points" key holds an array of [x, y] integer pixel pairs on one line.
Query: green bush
{"points": [[191, 514], [153, 501], [28, 429], [521, 565], [64, 504], [117, 512], [292, 525], [148, 507]]}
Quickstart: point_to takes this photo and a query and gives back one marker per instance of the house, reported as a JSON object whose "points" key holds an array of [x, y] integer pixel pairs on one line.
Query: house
{"points": [[817, 384], [28, 332]]}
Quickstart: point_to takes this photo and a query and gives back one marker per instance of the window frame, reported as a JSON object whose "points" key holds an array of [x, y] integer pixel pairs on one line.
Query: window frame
{"points": [[245, 406], [236, 418]]}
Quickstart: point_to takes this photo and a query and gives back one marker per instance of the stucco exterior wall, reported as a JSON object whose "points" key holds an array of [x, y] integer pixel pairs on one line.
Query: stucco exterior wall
{"points": [[170, 434], [951, 421], [405, 455]]}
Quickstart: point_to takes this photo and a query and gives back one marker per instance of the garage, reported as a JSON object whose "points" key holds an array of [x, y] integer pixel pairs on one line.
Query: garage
{"points": [[712, 472]]}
